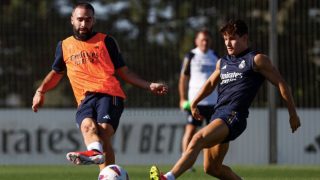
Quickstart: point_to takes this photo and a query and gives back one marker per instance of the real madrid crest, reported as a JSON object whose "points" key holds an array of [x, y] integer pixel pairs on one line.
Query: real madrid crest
{"points": [[242, 64]]}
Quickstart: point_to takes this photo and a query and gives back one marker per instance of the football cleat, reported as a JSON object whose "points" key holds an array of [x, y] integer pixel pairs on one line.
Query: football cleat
{"points": [[86, 157], [155, 174]]}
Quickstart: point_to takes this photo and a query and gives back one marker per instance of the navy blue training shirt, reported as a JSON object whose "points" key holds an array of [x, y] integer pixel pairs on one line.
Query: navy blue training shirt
{"points": [[239, 82]]}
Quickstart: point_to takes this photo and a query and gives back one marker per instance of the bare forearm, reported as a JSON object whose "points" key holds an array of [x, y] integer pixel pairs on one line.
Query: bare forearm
{"points": [[132, 78], [287, 98], [49, 82], [183, 81]]}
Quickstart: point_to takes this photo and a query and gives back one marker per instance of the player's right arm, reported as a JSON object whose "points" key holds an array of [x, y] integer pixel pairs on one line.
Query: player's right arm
{"points": [[183, 87], [205, 90], [183, 81], [51, 80]]}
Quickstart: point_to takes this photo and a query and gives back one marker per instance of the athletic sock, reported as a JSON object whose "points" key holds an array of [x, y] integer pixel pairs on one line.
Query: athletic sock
{"points": [[97, 146], [170, 176]]}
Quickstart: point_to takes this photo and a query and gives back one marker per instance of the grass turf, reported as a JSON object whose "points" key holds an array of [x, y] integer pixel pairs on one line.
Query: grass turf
{"points": [[141, 172]]}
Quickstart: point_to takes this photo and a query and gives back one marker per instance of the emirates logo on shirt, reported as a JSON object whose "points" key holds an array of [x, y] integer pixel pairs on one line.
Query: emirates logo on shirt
{"points": [[84, 57], [229, 77]]}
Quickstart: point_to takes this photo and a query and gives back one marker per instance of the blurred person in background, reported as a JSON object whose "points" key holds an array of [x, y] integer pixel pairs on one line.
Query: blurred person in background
{"points": [[91, 61], [239, 75], [198, 64]]}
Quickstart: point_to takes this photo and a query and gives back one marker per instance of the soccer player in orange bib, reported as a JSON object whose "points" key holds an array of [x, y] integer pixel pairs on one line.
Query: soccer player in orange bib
{"points": [[91, 61]]}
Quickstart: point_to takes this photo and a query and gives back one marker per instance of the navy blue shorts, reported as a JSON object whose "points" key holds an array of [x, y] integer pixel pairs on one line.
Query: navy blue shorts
{"points": [[205, 111], [236, 122], [102, 108]]}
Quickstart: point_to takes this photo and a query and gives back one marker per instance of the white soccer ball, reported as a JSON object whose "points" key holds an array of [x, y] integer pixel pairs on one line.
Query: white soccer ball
{"points": [[113, 172]]}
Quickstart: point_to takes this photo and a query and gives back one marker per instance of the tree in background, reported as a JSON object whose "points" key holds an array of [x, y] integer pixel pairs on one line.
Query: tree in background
{"points": [[153, 35]]}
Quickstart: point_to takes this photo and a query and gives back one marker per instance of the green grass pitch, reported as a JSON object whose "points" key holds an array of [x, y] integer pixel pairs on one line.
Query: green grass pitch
{"points": [[141, 172]]}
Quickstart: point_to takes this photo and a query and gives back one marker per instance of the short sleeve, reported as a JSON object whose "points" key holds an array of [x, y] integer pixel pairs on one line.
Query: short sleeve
{"points": [[59, 65], [185, 69], [114, 52]]}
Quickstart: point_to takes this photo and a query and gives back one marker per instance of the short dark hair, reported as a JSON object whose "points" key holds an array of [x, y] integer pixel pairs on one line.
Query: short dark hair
{"points": [[233, 27], [84, 5], [204, 31]]}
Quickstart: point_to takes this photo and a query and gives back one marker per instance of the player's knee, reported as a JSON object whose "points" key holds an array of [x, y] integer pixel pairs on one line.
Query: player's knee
{"points": [[88, 127], [197, 141], [198, 138]]}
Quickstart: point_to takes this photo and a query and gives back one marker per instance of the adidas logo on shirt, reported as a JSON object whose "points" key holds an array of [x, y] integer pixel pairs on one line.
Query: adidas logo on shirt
{"points": [[106, 117]]}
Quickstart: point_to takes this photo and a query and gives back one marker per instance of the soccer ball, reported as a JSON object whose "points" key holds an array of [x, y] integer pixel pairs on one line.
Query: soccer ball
{"points": [[113, 172]]}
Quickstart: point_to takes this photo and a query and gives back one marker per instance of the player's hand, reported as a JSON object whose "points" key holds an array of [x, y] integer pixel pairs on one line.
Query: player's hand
{"points": [[158, 88], [294, 122], [181, 103], [38, 100], [195, 112]]}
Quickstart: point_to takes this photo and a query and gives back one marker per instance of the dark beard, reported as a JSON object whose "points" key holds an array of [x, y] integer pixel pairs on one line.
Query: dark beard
{"points": [[82, 37]]}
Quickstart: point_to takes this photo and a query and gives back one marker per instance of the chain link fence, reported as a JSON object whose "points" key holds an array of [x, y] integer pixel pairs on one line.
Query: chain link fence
{"points": [[153, 37]]}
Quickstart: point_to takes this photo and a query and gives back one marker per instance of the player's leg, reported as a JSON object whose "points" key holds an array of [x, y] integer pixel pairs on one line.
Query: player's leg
{"points": [[106, 132], [86, 121], [193, 124], [93, 155], [191, 128], [89, 131], [207, 137], [213, 159], [109, 110], [226, 126], [189, 131]]}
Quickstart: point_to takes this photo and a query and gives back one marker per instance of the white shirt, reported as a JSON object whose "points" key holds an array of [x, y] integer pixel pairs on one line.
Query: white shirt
{"points": [[202, 65]]}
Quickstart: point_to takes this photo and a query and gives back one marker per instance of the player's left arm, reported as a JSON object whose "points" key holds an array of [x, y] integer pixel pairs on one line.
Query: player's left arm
{"points": [[263, 65], [130, 77], [126, 74]]}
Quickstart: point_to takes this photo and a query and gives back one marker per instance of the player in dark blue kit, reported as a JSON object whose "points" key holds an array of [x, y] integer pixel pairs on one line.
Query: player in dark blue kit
{"points": [[239, 76]]}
